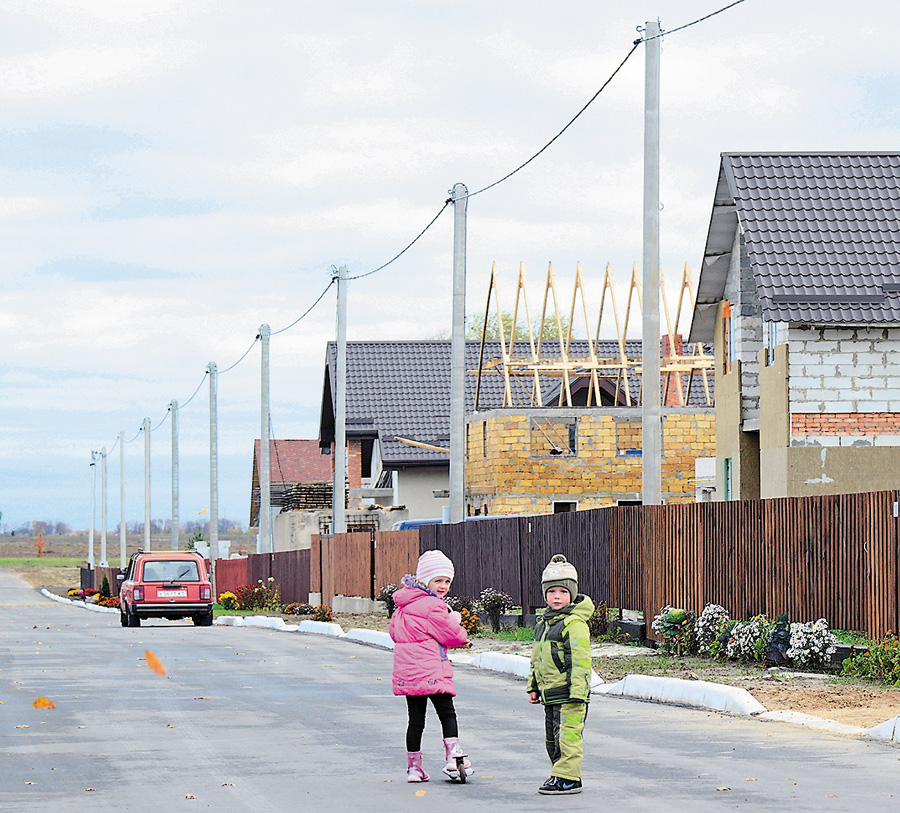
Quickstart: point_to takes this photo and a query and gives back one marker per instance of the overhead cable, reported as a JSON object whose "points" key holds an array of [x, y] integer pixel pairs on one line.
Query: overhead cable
{"points": [[408, 247], [688, 25], [242, 357], [571, 122], [302, 315]]}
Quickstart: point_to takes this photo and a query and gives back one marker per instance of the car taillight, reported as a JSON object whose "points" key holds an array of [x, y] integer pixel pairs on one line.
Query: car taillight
{"points": [[138, 594], [204, 592]]}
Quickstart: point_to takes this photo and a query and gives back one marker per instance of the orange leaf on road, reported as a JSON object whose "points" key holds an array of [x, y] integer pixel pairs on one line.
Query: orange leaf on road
{"points": [[155, 663], [44, 703]]}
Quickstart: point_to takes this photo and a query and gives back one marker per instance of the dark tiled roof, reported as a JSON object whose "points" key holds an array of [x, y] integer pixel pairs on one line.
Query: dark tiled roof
{"points": [[403, 388], [821, 230]]}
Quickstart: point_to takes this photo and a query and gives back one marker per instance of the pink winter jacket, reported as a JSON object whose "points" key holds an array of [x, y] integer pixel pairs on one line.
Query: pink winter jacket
{"points": [[422, 629]]}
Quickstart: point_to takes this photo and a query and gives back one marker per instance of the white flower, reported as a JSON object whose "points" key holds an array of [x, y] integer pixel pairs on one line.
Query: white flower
{"points": [[811, 643]]}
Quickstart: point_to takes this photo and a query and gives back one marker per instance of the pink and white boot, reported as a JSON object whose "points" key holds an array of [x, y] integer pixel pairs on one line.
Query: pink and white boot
{"points": [[453, 756], [414, 770]]}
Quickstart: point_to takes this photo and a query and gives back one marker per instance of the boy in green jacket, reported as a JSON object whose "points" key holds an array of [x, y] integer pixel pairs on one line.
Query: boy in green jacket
{"points": [[561, 673]]}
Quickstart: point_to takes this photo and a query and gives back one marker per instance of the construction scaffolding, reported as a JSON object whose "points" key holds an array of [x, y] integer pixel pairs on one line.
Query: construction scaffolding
{"points": [[581, 360]]}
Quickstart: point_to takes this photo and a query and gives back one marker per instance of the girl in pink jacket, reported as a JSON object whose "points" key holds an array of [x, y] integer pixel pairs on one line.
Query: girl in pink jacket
{"points": [[422, 628]]}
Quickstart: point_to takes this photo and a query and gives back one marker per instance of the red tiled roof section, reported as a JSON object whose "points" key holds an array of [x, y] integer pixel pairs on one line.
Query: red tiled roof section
{"points": [[295, 461]]}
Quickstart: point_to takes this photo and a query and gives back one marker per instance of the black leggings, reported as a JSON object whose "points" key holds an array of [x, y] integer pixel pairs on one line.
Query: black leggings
{"points": [[417, 705]]}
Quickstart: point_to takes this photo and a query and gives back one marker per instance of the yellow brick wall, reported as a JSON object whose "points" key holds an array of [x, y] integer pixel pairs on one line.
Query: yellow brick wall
{"points": [[510, 479]]}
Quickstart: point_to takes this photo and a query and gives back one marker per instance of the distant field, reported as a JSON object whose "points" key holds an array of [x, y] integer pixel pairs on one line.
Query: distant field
{"points": [[39, 561]]}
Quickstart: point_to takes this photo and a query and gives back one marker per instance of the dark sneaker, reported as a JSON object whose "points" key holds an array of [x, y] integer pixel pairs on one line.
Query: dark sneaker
{"points": [[557, 786]]}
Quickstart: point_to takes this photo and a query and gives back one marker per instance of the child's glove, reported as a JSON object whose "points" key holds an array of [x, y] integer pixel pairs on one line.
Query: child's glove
{"points": [[455, 617]]}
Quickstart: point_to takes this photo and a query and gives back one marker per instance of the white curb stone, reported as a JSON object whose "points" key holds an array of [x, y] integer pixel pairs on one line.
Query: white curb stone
{"points": [[375, 637], [264, 621], [229, 621], [810, 721], [503, 662], [695, 693], [888, 730], [321, 628], [93, 607]]}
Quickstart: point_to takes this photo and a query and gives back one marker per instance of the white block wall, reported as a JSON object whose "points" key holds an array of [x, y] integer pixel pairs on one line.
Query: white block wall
{"points": [[740, 291], [844, 369]]}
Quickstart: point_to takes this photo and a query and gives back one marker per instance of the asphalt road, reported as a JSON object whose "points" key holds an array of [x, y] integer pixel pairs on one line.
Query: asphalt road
{"points": [[251, 720]]}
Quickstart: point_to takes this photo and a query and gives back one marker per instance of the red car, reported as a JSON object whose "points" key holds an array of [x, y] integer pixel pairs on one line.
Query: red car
{"points": [[162, 584]]}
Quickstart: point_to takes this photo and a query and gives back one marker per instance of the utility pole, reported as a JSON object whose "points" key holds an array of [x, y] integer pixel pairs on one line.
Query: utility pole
{"points": [[213, 474], [651, 419], [93, 510], [460, 197], [122, 500], [338, 508], [173, 408], [146, 429], [103, 560], [264, 543]]}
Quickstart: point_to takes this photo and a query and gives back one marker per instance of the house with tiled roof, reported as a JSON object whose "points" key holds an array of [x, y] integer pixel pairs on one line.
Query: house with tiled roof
{"points": [[298, 472], [398, 432], [800, 293]]}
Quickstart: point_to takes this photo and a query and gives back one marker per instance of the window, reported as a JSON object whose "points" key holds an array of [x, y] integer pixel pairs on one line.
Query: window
{"points": [[171, 571], [554, 436], [564, 507], [727, 474], [629, 437]]}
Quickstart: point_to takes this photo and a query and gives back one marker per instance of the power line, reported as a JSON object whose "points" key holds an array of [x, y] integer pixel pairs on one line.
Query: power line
{"points": [[571, 122], [408, 247], [242, 357], [182, 406], [137, 435], [688, 25], [333, 280], [154, 428]]}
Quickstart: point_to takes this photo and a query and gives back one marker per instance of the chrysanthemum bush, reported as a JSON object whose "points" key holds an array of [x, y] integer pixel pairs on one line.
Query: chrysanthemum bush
{"points": [[811, 643], [494, 603], [714, 634], [710, 626]]}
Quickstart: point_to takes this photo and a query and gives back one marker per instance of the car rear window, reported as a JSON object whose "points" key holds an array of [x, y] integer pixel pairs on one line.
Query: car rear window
{"points": [[174, 570]]}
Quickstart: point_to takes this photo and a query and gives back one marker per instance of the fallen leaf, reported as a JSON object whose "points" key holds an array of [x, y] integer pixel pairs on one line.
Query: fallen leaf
{"points": [[328, 666], [421, 792], [89, 790], [723, 788], [169, 725], [29, 783], [35, 627], [44, 703], [201, 698], [749, 780], [228, 784], [351, 657], [82, 726], [154, 663], [379, 678], [21, 726], [189, 796]]}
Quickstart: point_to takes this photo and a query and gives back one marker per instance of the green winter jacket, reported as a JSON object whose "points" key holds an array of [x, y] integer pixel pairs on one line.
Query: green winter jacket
{"points": [[561, 657]]}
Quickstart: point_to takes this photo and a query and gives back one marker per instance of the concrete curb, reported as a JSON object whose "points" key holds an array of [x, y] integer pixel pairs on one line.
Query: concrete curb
{"points": [[502, 662], [63, 600], [888, 731], [321, 628], [374, 637], [692, 693], [809, 721]]}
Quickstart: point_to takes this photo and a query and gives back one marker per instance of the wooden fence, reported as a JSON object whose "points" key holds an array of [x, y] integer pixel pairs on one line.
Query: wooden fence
{"points": [[834, 557]]}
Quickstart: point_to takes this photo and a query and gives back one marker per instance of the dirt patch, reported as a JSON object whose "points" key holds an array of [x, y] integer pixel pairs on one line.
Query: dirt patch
{"points": [[47, 576]]}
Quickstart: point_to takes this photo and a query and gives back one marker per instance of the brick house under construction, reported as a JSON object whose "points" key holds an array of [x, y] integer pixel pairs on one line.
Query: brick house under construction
{"points": [[800, 293]]}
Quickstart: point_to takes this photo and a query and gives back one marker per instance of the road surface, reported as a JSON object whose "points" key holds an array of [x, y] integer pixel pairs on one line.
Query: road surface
{"points": [[256, 720]]}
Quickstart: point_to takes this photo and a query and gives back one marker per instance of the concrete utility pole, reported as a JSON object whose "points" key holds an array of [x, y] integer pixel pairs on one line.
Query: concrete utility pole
{"points": [[173, 408], [338, 508], [93, 510], [103, 559], [122, 555], [264, 543], [651, 419], [460, 196], [146, 429], [213, 473]]}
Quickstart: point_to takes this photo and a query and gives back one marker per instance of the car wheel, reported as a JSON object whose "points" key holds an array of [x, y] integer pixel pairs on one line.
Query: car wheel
{"points": [[203, 619], [133, 620], [122, 617]]}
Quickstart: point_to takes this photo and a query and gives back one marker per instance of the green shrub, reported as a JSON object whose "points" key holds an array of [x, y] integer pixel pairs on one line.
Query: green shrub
{"points": [[880, 663], [386, 594], [676, 628]]}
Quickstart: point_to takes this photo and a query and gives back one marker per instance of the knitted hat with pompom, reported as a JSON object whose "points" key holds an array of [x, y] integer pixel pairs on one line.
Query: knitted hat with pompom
{"points": [[433, 563], [559, 573]]}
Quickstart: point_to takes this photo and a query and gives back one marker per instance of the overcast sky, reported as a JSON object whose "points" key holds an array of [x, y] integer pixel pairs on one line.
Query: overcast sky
{"points": [[174, 173]]}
